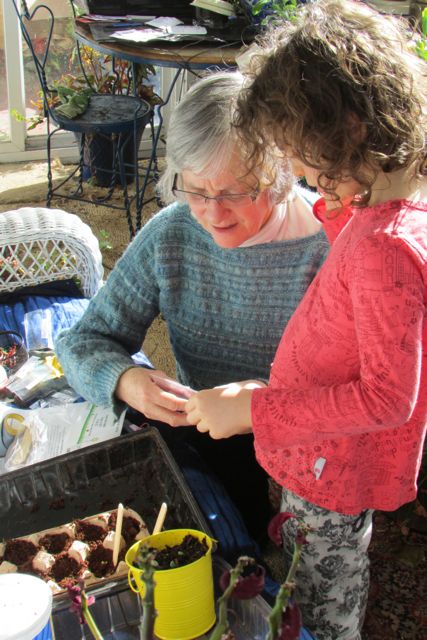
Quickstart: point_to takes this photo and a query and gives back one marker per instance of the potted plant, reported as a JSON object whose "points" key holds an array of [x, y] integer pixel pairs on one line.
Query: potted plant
{"points": [[261, 13], [90, 73]]}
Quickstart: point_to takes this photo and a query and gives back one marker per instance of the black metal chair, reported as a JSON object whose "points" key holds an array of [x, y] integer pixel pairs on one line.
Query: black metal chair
{"points": [[111, 126]]}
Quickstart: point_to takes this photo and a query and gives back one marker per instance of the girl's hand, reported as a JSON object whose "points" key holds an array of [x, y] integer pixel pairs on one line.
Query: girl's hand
{"points": [[223, 411], [138, 390]]}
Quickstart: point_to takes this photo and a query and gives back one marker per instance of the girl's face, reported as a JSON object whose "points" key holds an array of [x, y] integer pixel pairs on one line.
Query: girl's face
{"points": [[231, 221], [345, 189], [301, 170]]}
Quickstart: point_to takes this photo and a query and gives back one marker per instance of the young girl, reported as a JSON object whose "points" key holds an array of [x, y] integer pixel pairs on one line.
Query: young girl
{"points": [[342, 422]]}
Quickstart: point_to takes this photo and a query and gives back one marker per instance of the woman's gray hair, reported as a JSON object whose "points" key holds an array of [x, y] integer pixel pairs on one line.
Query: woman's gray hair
{"points": [[201, 136]]}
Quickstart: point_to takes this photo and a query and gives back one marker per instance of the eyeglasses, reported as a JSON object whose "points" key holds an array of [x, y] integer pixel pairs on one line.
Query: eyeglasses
{"points": [[227, 199]]}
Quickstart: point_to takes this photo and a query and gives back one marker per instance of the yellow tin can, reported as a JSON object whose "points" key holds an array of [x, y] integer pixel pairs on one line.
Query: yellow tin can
{"points": [[183, 596]]}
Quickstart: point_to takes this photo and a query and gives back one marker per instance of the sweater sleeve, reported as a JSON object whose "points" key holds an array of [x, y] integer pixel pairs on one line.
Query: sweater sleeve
{"points": [[97, 349], [388, 316]]}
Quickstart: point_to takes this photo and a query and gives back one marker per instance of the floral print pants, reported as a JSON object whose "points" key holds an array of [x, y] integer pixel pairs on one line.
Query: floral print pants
{"points": [[332, 580]]}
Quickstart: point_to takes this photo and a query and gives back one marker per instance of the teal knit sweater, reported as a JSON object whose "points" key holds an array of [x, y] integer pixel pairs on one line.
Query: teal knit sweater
{"points": [[225, 308]]}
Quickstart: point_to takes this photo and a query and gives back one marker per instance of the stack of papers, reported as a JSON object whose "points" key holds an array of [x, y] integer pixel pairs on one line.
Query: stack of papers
{"points": [[110, 28]]}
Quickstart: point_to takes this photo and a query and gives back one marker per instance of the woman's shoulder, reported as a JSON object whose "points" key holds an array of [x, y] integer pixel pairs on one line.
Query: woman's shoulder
{"points": [[172, 214], [174, 221]]}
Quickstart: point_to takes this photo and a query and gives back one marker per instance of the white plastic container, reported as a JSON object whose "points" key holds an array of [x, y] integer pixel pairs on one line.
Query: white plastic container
{"points": [[25, 608]]}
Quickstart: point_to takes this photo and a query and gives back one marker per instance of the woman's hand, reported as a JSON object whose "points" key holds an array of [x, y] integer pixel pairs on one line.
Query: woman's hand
{"points": [[223, 411], [136, 388]]}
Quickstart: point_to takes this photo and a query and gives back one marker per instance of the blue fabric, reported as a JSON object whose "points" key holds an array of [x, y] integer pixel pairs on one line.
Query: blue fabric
{"points": [[26, 316], [30, 314]]}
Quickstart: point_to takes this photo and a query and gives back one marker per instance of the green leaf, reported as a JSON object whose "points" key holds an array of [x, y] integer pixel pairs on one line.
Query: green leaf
{"points": [[424, 22], [421, 49], [259, 6], [18, 116]]}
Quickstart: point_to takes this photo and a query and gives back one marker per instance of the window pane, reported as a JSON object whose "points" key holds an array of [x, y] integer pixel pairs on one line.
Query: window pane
{"points": [[60, 60], [4, 98]]}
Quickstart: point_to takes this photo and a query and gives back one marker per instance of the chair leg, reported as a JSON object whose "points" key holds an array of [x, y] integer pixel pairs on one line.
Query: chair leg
{"points": [[49, 168], [79, 189], [151, 173], [156, 173], [119, 157]]}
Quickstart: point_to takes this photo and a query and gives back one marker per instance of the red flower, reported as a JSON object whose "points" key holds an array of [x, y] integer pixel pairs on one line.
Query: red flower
{"points": [[291, 623], [275, 527], [246, 587]]}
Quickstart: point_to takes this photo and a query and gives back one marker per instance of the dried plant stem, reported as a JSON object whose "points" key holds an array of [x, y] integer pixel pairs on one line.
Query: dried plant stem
{"points": [[222, 626], [147, 562], [283, 596]]}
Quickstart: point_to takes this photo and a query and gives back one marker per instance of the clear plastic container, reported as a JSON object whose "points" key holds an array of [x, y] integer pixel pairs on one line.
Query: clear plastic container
{"points": [[117, 615]]}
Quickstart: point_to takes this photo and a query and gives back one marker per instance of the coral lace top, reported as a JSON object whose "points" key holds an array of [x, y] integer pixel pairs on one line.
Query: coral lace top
{"points": [[343, 420]]}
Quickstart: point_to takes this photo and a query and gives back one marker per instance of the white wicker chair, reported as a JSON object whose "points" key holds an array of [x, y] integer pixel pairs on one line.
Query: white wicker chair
{"points": [[39, 245]]}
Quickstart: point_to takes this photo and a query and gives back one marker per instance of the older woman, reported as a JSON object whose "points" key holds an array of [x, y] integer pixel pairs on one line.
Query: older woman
{"points": [[225, 265]]}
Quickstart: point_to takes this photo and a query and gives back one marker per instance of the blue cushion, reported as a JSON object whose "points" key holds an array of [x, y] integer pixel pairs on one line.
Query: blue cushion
{"points": [[33, 313]]}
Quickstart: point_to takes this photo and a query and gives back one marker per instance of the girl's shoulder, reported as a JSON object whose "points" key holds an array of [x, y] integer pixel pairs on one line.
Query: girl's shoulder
{"points": [[391, 225]]}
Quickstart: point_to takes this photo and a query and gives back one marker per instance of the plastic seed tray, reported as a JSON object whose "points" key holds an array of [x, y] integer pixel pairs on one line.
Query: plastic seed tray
{"points": [[136, 470]]}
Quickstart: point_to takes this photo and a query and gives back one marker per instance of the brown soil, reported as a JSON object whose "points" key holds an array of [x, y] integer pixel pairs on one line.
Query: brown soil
{"points": [[19, 551], [179, 555], [100, 561], [65, 567], [89, 532], [130, 527], [56, 542]]}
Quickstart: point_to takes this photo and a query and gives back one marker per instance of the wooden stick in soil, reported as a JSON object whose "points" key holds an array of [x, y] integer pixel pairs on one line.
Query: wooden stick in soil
{"points": [[160, 518], [118, 534]]}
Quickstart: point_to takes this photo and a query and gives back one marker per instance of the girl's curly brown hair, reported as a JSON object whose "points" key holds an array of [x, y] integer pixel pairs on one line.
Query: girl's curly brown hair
{"points": [[310, 81]]}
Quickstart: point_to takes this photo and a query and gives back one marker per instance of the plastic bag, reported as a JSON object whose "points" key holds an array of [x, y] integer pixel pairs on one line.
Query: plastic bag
{"points": [[40, 434]]}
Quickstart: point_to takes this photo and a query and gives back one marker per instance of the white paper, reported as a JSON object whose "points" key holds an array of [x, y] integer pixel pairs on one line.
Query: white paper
{"points": [[164, 21], [139, 35], [186, 29]]}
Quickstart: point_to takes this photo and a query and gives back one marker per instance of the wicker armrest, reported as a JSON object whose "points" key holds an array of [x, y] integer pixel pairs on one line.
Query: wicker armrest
{"points": [[39, 245]]}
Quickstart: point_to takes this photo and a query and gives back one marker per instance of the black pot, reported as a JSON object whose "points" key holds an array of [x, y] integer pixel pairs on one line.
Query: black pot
{"points": [[98, 157]]}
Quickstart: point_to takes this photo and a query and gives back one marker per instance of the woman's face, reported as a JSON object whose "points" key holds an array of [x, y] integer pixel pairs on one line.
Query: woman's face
{"points": [[229, 223]]}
